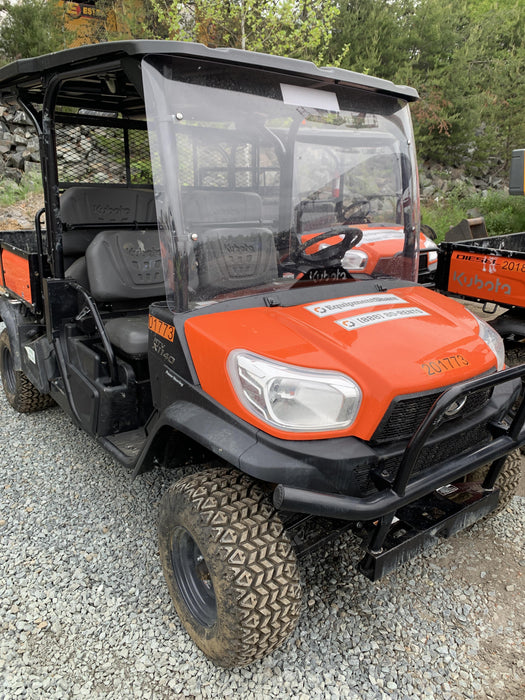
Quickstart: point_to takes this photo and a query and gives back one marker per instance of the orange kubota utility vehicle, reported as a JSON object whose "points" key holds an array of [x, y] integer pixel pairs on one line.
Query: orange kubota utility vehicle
{"points": [[491, 270], [172, 301]]}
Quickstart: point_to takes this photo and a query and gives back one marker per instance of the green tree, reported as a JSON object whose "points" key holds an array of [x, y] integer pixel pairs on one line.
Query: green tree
{"points": [[286, 27], [31, 28], [468, 62], [465, 57], [370, 36], [437, 66], [130, 19], [497, 72]]}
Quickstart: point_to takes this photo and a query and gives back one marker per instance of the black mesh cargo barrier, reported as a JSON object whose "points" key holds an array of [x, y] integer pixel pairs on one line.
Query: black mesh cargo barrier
{"points": [[102, 154]]}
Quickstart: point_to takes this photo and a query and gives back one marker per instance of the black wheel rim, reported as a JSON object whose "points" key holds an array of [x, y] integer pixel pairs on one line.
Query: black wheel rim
{"points": [[193, 577], [8, 370]]}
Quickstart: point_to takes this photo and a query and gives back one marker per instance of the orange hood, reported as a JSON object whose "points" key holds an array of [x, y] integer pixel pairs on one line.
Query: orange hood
{"points": [[403, 341]]}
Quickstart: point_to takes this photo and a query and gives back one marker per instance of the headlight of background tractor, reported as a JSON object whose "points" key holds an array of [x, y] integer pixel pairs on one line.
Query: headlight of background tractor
{"points": [[354, 260], [432, 255], [293, 398]]}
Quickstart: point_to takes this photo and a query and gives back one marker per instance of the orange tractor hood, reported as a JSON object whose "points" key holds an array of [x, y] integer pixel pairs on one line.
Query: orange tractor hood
{"points": [[404, 341]]}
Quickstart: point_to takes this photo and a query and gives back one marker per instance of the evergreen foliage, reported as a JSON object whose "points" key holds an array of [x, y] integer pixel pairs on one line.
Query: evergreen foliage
{"points": [[466, 57], [138, 19], [31, 28]]}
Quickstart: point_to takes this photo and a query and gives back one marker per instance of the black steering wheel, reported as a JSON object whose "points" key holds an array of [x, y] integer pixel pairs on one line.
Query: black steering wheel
{"points": [[357, 212], [335, 252]]}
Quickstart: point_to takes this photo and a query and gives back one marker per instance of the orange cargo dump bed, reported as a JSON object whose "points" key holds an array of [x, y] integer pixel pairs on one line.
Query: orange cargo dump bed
{"points": [[16, 275], [486, 269]]}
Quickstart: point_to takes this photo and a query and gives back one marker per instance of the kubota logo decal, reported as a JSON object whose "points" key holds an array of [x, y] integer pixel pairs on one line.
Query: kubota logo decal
{"points": [[492, 285], [139, 250], [236, 248], [106, 211], [357, 302]]}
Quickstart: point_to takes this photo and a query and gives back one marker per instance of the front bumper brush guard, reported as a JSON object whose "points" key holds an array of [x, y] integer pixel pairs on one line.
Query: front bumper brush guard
{"points": [[410, 514]]}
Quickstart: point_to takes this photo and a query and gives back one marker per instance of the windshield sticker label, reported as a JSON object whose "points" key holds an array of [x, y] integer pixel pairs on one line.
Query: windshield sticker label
{"points": [[337, 306], [308, 97], [363, 320]]}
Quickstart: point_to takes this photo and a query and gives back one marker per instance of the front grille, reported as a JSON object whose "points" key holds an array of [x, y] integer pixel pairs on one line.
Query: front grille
{"points": [[439, 452], [405, 414], [431, 455]]}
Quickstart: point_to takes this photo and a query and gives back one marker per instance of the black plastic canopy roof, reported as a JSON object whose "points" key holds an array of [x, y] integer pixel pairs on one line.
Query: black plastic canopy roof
{"points": [[108, 74]]}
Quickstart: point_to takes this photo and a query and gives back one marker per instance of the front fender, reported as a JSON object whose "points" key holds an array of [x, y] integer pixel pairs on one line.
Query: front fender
{"points": [[320, 464], [223, 435]]}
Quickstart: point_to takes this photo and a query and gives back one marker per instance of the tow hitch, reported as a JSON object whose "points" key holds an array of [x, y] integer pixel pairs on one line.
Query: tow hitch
{"points": [[394, 539]]}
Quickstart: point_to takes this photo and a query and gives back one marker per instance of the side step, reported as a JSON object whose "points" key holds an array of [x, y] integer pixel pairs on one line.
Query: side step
{"points": [[309, 532], [421, 524], [126, 446]]}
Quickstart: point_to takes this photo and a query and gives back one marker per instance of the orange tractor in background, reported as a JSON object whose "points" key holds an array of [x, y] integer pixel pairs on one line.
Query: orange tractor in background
{"points": [[491, 270]]}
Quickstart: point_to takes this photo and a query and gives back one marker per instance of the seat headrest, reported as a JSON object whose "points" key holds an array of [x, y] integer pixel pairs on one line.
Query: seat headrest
{"points": [[106, 206], [217, 207]]}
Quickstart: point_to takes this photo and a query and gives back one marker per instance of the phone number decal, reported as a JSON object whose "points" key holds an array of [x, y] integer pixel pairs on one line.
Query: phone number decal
{"points": [[362, 320], [445, 364]]}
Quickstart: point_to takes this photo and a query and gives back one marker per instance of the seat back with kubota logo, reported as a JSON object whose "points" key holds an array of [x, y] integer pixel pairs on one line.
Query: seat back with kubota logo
{"points": [[121, 266], [84, 211], [238, 252], [235, 258], [125, 265]]}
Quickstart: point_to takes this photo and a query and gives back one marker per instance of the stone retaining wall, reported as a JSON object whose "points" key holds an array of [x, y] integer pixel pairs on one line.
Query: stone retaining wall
{"points": [[438, 181], [19, 147], [19, 152]]}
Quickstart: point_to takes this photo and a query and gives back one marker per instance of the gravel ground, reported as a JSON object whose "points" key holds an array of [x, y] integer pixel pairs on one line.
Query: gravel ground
{"points": [[84, 611]]}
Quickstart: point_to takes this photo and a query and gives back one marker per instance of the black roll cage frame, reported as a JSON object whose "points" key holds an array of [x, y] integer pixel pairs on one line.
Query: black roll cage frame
{"points": [[36, 81]]}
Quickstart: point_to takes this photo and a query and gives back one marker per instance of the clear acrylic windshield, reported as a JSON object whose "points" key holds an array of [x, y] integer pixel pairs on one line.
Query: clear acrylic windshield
{"points": [[263, 184]]}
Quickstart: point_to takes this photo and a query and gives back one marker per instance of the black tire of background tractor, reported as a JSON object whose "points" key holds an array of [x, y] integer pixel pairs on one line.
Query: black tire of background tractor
{"points": [[230, 567], [20, 393], [507, 482], [515, 355]]}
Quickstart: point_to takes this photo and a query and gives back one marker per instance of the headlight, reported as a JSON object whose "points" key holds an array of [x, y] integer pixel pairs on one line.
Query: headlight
{"points": [[493, 340], [354, 260], [432, 260], [432, 254], [293, 398]]}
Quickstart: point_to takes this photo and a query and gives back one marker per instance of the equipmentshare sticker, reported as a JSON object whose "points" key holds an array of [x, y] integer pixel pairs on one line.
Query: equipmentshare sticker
{"points": [[379, 317], [358, 302]]}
